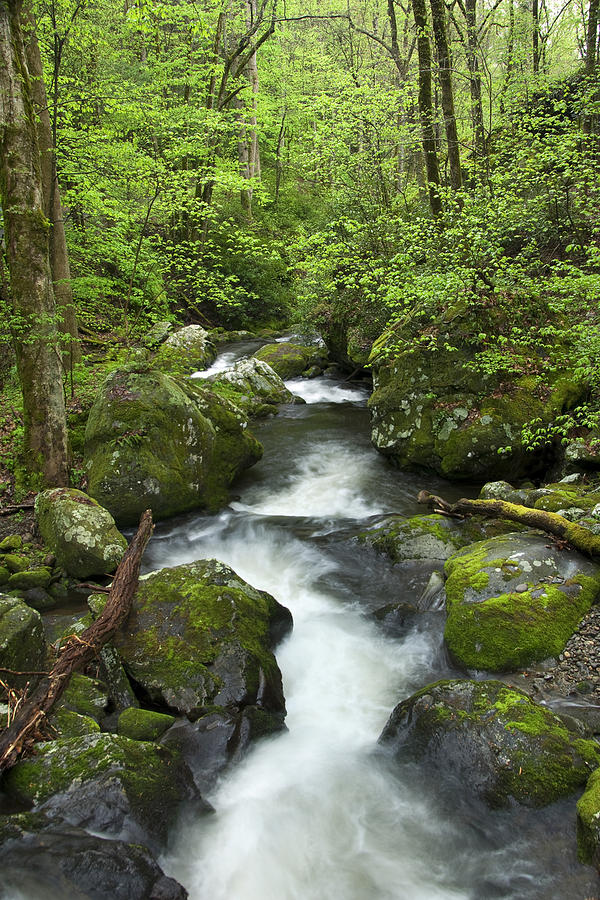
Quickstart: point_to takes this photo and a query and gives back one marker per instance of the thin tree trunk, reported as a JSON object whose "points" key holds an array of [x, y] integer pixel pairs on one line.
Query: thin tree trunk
{"points": [[432, 167], [591, 43], [438, 18], [78, 652], [34, 327], [535, 37], [475, 80], [59, 257]]}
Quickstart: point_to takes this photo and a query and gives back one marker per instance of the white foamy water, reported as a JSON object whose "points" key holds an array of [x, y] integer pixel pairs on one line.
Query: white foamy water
{"points": [[322, 390], [222, 362]]}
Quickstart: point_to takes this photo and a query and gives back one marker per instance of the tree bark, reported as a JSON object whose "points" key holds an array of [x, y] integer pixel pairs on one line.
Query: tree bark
{"points": [[78, 652], [59, 257], [475, 80], [591, 43], [34, 325], [438, 18], [577, 536], [432, 167]]}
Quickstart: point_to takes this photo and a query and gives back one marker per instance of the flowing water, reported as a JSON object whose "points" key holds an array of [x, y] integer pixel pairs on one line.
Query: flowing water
{"points": [[315, 812]]}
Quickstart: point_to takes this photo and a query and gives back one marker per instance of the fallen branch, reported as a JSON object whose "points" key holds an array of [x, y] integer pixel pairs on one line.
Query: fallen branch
{"points": [[579, 537], [78, 651], [17, 507]]}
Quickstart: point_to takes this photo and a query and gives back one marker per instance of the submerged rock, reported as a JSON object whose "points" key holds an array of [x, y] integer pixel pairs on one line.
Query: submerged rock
{"points": [[81, 534], [291, 360], [490, 741], [153, 442], [514, 600], [200, 636]]}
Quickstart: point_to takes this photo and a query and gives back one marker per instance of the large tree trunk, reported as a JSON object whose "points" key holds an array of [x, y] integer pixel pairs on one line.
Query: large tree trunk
{"points": [[426, 107], [26, 229], [438, 17], [591, 43], [59, 257], [475, 81]]}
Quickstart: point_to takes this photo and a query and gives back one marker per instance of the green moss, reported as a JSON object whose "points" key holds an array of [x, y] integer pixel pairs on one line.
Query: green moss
{"points": [[143, 724], [588, 820], [85, 696]]}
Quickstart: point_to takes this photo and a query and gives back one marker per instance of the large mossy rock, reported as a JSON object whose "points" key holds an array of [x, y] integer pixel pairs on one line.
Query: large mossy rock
{"points": [[291, 360], [171, 446], [81, 533], [491, 742], [105, 783], [431, 409], [22, 641], [253, 387], [515, 599], [588, 821], [59, 862], [200, 636], [187, 350]]}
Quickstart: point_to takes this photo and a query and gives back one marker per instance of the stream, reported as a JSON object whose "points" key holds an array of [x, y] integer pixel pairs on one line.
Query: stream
{"points": [[316, 812]]}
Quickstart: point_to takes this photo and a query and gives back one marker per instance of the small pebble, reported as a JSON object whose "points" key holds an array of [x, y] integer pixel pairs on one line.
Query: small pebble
{"points": [[521, 588]]}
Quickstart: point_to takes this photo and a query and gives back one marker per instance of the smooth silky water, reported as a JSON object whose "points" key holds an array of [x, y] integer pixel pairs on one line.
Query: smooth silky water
{"points": [[318, 812]]}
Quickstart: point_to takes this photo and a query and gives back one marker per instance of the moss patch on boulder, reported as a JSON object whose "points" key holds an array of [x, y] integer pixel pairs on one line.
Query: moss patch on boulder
{"points": [[22, 642], [514, 600], [185, 351], [143, 724], [291, 360], [200, 636], [493, 741]]}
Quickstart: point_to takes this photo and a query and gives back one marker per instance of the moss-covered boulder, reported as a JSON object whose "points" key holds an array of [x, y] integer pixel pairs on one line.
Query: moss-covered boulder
{"points": [[199, 636], [187, 350], [171, 446], [82, 535], [86, 697], [433, 409], [515, 599], [57, 861], [253, 387], [588, 821], [143, 724], [291, 360], [428, 537], [490, 741], [22, 642], [105, 783]]}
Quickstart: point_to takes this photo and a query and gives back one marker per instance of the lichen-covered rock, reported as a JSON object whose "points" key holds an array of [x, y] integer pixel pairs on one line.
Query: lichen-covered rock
{"points": [[432, 409], [157, 335], [252, 386], [185, 351], [199, 635], [85, 696], [42, 858], [428, 537], [153, 442], [515, 599], [22, 641], [143, 724], [291, 360], [583, 453], [81, 534], [491, 741], [105, 783]]}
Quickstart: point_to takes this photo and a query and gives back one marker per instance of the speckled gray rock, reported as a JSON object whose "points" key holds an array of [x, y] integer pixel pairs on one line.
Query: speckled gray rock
{"points": [[251, 384], [80, 532], [185, 351], [22, 641]]}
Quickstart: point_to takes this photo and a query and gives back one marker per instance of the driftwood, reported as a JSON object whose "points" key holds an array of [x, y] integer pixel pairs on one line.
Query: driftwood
{"points": [[78, 652], [579, 537]]}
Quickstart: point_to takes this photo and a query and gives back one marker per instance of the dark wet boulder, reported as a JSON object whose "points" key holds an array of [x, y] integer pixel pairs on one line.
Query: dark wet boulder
{"points": [[42, 860], [105, 783], [22, 641], [515, 599], [81, 533], [200, 636], [291, 360], [490, 742], [155, 442]]}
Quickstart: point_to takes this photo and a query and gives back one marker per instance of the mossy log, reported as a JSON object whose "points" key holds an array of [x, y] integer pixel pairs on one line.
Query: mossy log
{"points": [[78, 651], [577, 536]]}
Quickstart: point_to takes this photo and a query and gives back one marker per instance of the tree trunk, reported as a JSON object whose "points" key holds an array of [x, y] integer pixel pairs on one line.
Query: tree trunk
{"points": [[591, 43], [59, 257], [535, 37], [577, 536], [479, 141], [26, 229], [438, 17], [78, 652], [432, 167]]}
